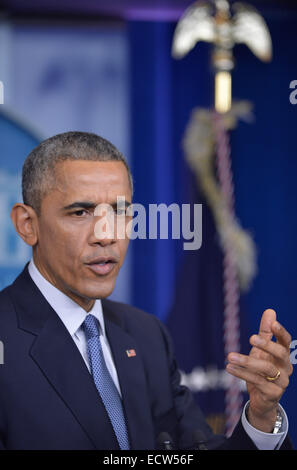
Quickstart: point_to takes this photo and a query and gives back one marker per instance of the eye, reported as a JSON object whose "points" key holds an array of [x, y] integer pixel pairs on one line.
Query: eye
{"points": [[79, 213], [120, 211]]}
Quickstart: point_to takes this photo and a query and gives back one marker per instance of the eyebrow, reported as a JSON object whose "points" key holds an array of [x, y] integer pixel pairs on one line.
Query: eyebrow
{"points": [[92, 205]]}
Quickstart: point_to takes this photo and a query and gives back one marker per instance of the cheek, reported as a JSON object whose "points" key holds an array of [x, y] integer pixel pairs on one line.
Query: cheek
{"points": [[62, 240]]}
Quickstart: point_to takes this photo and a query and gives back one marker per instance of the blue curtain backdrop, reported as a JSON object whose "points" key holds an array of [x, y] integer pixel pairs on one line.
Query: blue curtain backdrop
{"points": [[163, 94]]}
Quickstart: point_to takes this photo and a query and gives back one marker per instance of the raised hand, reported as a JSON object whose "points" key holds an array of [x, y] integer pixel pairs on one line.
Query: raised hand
{"points": [[266, 370]]}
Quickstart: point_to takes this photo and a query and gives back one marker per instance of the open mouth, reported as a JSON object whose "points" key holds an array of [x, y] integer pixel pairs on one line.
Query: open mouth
{"points": [[102, 266]]}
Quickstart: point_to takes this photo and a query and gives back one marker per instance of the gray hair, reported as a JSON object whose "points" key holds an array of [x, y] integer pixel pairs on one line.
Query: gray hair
{"points": [[38, 169]]}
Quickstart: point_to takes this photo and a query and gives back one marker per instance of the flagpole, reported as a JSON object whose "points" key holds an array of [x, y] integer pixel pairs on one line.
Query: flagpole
{"points": [[216, 22]]}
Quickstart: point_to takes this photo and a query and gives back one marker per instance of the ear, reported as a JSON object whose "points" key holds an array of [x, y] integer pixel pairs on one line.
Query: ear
{"points": [[25, 221]]}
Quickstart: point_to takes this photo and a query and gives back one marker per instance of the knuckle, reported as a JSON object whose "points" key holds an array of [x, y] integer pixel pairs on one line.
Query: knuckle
{"points": [[270, 370], [244, 360]]}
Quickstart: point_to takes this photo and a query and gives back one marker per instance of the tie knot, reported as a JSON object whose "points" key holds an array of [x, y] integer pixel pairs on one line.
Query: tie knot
{"points": [[91, 326]]}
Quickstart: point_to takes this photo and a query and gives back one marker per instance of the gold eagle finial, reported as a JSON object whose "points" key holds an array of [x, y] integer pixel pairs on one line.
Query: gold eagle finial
{"points": [[215, 21]]}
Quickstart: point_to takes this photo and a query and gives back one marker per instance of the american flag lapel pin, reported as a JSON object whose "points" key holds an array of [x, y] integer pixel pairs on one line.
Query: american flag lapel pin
{"points": [[130, 352]]}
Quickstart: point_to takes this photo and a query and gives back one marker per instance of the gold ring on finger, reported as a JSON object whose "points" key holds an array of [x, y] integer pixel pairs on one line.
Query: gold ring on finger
{"points": [[272, 379]]}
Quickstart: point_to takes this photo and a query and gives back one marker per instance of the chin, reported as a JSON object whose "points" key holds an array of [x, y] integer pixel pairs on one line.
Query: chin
{"points": [[100, 293]]}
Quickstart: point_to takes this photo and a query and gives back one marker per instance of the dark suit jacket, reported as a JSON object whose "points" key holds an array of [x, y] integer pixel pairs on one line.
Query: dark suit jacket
{"points": [[48, 399]]}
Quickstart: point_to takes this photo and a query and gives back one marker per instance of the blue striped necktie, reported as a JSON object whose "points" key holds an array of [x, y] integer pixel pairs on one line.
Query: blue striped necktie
{"points": [[103, 381]]}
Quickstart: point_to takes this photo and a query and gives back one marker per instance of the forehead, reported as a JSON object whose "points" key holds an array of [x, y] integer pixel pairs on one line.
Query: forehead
{"points": [[91, 179]]}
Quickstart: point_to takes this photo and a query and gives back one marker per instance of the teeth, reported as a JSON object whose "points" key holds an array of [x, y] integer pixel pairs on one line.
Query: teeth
{"points": [[102, 264]]}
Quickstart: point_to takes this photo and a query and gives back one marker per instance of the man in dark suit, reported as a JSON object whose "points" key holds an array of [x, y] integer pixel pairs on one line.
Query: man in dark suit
{"points": [[84, 372]]}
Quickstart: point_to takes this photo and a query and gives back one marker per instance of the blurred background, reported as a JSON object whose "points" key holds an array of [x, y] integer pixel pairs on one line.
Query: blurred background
{"points": [[106, 67]]}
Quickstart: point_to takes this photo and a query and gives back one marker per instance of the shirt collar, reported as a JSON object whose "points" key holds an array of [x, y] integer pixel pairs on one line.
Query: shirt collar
{"points": [[71, 314]]}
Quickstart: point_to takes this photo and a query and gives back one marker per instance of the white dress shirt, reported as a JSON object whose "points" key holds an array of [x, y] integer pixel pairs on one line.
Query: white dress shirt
{"points": [[265, 440], [72, 315]]}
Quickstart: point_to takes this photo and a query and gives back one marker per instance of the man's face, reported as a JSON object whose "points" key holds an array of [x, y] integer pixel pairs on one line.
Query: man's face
{"points": [[68, 253]]}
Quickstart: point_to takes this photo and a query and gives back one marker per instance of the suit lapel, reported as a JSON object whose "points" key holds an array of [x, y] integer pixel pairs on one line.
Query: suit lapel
{"points": [[59, 359], [132, 381]]}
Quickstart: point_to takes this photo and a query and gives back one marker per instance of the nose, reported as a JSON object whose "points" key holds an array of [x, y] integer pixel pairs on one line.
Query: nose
{"points": [[103, 229]]}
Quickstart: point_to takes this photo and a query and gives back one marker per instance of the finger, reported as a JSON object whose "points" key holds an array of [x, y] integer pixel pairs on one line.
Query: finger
{"points": [[276, 350], [268, 318], [282, 335], [265, 331], [271, 390], [258, 366], [256, 352]]}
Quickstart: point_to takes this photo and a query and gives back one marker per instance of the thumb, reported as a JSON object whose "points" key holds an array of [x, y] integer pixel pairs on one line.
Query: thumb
{"points": [[265, 331], [267, 320]]}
